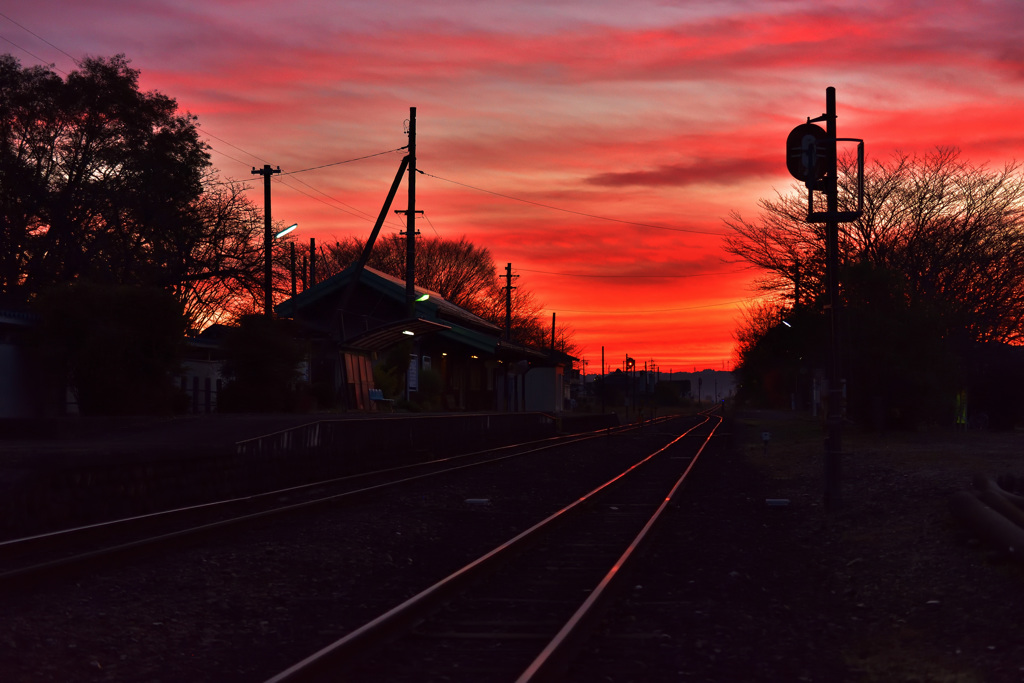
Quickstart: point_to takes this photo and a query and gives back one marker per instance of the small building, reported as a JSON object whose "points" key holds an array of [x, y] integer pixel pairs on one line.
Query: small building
{"points": [[201, 376], [441, 357], [17, 395]]}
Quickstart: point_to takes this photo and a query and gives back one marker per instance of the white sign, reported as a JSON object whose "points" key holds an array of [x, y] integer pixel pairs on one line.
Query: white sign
{"points": [[413, 377]]}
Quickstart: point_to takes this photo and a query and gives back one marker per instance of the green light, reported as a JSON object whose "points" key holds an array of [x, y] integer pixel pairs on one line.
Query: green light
{"points": [[422, 297]]}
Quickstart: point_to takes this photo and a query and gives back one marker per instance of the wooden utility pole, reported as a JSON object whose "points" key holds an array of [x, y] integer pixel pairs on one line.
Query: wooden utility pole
{"points": [[508, 301], [294, 284], [410, 221], [268, 240], [312, 261], [834, 447]]}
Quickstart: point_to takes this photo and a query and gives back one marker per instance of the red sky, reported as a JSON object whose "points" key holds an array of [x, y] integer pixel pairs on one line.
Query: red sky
{"points": [[639, 126]]}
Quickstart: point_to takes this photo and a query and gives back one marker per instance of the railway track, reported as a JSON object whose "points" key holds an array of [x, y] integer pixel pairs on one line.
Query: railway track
{"points": [[517, 612], [35, 559]]}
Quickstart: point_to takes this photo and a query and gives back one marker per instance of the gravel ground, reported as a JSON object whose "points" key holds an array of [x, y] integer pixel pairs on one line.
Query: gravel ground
{"points": [[888, 589], [246, 607], [891, 588]]}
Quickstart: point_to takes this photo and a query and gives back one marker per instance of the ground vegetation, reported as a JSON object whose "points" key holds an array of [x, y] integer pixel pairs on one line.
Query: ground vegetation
{"points": [[117, 347]]}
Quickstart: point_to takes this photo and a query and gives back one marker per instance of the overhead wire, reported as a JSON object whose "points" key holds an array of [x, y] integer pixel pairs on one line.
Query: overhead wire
{"points": [[345, 208], [30, 54], [368, 156], [347, 161], [431, 224], [75, 60]]}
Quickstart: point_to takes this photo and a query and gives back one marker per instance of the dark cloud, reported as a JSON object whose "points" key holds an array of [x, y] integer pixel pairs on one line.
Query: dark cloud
{"points": [[696, 172]]}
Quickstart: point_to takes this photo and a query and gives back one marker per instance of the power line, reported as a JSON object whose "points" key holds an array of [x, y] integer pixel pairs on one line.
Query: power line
{"points": [[431, 224], [578, 213], [28, 30], [351, 210], [347, 161], [243, 151], [30, 54], [225, 154]]}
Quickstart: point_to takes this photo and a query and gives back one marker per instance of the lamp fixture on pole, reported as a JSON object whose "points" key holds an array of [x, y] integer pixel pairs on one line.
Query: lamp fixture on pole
{"points": [[287, 230]]}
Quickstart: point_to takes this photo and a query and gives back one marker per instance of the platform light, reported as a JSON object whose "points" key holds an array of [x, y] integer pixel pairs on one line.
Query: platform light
{"points": [[422, 297], [409, 333], [286, 231]]}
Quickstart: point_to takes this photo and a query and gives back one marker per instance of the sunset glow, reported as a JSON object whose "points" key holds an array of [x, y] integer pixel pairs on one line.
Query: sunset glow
{"points": [[595, 146]]}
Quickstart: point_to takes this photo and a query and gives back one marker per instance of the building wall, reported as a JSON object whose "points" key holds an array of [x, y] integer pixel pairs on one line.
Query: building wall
{"points": [[14, 389], [545, 390], [201, 381]]}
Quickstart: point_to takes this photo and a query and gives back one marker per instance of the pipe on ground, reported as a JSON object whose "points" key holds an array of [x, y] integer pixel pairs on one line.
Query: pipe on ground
{"points": [[990, 525]]}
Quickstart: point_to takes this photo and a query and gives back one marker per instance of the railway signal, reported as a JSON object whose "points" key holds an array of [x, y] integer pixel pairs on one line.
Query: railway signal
{"points": [[811, 157]]}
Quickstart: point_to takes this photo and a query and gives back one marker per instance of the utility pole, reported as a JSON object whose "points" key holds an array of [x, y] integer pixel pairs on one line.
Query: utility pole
{"points": [[410, 221], [834, 447], [508, 301], [268, 240], [312, 261], [294, 286]]}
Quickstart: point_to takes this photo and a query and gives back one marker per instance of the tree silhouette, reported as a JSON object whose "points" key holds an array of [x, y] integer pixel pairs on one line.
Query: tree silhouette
{"points": [[103, 183], [948, 234], [933, 267], [462, 273]]}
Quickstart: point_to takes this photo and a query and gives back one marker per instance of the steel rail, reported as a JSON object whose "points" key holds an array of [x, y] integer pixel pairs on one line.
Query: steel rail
{"points": [[351, 645], [41, 568], [557, 651]]}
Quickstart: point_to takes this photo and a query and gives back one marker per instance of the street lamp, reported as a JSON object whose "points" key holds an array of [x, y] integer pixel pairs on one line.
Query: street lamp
{"points": [[286, 231], [278, 235]]}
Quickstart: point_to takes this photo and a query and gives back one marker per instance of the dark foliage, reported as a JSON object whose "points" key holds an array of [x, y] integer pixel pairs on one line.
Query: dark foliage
{"points": [[117, 347], [261, 363], [98, 177], [104, 183], [933, 268]]}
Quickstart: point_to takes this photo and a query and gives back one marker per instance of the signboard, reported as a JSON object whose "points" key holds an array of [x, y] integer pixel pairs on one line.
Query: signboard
{"points": [[413, 378]]}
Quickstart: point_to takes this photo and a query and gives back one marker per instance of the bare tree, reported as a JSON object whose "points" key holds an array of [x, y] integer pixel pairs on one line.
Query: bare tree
{"points": [[461, 272], [950, 234], [221, 261]]}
